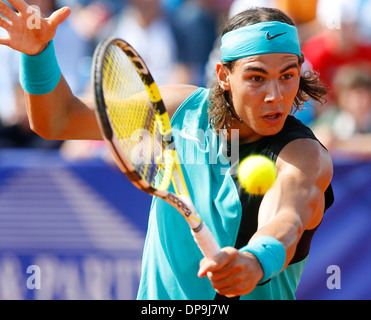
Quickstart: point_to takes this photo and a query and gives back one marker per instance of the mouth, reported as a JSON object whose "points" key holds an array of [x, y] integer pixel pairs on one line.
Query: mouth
{"points": [[273, 117]]}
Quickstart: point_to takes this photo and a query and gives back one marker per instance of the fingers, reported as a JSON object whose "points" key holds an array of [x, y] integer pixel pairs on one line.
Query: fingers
{"points": [[208, 265], [20, 5], [230, 273], [234, 282], [5, 24], [218, 263], [6, 11], [205, 266], [4, 41], [59, 17]]}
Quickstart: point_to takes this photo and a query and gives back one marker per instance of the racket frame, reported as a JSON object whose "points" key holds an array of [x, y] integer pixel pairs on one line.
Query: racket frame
{"points": [[181, 199]]}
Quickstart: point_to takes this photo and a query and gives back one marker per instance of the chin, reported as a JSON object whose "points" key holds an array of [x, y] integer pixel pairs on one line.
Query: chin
{"points": [[272, 130]]}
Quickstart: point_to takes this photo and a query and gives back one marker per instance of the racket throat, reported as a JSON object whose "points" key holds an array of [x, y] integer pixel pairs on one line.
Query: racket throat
{"points": [[199, 228]]}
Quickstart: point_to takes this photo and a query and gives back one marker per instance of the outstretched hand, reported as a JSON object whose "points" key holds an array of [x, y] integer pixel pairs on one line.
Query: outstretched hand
{"points": [[24, 34]]}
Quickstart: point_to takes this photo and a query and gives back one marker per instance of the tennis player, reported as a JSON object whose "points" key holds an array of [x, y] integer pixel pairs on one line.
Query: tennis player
{"points": [[260, 81]]}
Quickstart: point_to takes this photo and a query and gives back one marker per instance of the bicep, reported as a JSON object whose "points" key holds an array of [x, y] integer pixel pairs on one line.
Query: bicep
{"points": [[295, 203], [304, 173]]}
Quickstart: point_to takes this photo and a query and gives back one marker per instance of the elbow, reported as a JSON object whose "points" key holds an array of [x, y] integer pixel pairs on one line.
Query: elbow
{"points": [[291, 242], [296, 230], [44, 130], [48, 114]]}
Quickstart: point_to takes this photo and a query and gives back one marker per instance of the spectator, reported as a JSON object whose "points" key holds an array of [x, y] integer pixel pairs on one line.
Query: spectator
{"points": [[304, 13], [345, 128], [195, 24], [340, 44], [171, 5], [145, 26], [332, 14], [239, 5], [76, 62], [90, 18]]}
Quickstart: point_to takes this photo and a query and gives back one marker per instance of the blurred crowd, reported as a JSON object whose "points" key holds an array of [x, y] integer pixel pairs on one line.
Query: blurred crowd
{"points": [[179, 41]]}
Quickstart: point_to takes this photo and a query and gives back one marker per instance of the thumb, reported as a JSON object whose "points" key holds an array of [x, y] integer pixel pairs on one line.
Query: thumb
{"points": [[206, 265], [59, 17], [214, 264]]}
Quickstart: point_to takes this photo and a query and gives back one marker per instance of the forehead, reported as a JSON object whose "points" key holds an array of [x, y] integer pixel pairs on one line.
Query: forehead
{"points": [[270, 61]]}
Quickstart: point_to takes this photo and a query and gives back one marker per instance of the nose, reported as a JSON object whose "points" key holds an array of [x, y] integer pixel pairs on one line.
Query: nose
{"points": [[273, 94]]}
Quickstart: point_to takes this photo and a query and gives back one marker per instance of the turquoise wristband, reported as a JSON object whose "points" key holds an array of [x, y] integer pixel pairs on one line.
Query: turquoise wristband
{"points": [[40, 74], [270, 253]]}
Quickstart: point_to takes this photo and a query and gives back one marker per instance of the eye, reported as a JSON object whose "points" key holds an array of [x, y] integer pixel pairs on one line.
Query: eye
{"points": [[256, 78], [287, 76]]}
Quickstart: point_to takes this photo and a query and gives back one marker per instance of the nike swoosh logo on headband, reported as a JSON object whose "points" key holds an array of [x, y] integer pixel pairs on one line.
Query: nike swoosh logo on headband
{"points": [[274, 36]]}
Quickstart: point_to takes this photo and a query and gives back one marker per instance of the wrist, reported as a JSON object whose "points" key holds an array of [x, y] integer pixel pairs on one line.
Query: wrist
{"points": [[40, 50], [40, 74], [270, 253], [254, 265]]}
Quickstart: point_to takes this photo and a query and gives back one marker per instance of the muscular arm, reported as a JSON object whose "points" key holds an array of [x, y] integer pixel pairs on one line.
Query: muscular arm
{"points": [[294, 204], [296, 201], [59, 115]]}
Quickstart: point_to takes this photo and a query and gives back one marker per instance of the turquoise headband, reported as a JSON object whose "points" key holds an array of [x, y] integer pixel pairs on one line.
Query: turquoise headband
{"points": [[260, 38]]}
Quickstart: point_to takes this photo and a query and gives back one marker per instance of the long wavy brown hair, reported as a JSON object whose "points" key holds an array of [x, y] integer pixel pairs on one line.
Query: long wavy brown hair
{"points": [[221, 112]]}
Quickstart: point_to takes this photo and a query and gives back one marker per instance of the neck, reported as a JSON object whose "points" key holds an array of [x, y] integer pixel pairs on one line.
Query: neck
{"points": [[241, 132]]}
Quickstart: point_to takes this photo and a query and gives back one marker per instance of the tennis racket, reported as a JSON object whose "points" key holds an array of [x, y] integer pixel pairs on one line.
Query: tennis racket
{"points": [[136, 127]]}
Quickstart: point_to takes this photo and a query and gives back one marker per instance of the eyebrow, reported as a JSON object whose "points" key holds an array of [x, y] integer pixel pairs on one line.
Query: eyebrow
{"points": [[291, 66], [261, 70], [256, 69]]}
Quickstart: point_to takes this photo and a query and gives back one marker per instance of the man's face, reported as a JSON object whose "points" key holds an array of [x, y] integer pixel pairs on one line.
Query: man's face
{"points": [[262, 90]]}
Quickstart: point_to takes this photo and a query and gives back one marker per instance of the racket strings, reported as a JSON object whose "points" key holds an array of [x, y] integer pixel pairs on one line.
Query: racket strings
{"points": [[132, 116]]}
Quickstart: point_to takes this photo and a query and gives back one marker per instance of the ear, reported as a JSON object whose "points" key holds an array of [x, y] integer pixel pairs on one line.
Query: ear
{"points": [[301, 62], [223, 73]]}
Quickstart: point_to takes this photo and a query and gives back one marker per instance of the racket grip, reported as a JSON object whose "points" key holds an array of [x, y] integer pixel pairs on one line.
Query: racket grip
{"points": [[206, 242]]}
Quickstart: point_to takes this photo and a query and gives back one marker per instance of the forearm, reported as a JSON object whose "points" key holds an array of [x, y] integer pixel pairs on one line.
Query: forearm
{"points": [[287, 210], [54, 112], [287, 229], [59, 115]]}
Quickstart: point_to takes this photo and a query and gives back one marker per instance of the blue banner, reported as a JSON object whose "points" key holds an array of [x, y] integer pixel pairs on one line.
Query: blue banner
{"points": [[68, 230], [340, 259]]}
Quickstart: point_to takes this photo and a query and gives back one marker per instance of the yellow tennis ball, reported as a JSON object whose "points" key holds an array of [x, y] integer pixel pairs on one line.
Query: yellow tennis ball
{"points": [[257, 174]]}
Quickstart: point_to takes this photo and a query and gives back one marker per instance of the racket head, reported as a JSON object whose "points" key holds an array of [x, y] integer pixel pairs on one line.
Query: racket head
{"points": [[132, 118], [131, 114]]}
